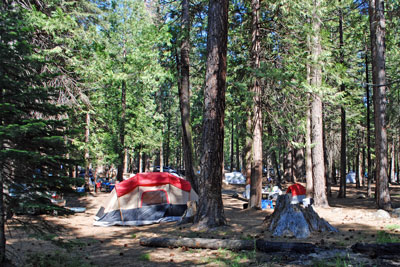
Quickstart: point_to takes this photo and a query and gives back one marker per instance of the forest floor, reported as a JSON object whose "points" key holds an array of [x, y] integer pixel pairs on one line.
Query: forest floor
{"points": [[73, 240]]}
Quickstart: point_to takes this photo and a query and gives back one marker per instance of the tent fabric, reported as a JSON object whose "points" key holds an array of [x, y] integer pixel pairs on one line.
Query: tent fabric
{"points": [[151, 179], [296, 190], [146, 199], [351, 178], [234, 178]]}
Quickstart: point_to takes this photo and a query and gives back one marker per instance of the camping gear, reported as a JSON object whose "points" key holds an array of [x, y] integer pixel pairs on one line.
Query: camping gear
{"points": [[80, 189], [76, 209], [146, 198], [234, 178], [351, 178], [266, 204], [246, 193]]}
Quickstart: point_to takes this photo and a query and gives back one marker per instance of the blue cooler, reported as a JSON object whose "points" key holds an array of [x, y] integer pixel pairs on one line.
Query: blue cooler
{"points": [[266, 203]]}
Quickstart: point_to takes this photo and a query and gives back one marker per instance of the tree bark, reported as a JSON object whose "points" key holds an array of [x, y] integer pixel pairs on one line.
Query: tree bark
{"points": [[369, 164], [342, 188], [140, 161], [392, 163], [87, 154], [184, 97], [377, 26], [299, 164], [161, 156], [2, 219], [236, 245], [167, 150], [122, 130], [287, 165], [205, 243], [211, 211], [237, 150], [375, 250], [295, 220], [256, 168], [309, 173], [126, 160], [248, 150], [359, 175], [317, 151], [232, 146]]}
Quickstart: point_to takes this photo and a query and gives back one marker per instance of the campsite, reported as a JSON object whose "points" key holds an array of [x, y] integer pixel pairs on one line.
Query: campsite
{"points": [[73, 238], [199, 132]]}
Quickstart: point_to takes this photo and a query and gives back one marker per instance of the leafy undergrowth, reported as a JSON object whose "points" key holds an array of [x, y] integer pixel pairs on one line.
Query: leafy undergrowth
{"points": [[384, 237]]}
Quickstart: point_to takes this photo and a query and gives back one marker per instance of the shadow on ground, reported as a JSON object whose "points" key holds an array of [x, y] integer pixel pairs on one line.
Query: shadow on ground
{"points": [[75, 241]]}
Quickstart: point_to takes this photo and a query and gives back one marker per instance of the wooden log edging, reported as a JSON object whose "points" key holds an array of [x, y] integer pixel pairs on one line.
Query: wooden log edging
{"points": [[231, 244], [377, 249]]}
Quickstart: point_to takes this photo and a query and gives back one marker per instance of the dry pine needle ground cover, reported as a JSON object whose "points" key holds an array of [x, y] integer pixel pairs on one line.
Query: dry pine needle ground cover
{"points": [[73, 241]]}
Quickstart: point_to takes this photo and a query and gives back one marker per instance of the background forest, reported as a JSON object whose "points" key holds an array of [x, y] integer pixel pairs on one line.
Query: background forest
{"points": [[103, 84]]}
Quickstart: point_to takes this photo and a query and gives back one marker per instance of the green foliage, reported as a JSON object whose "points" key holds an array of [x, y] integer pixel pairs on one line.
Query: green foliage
{"points": [[33, 125], [384, 237], [127, 54], [229, 258], [145, 257], [392, 227]]}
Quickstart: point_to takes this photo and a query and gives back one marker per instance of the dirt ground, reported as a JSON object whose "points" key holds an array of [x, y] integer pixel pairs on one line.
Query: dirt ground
{"points": [[73, 241]]}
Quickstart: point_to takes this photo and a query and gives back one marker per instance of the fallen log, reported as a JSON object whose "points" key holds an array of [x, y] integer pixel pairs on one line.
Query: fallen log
{"points": [[198, 243], [377, 250], [236, 245], [298, 247]]}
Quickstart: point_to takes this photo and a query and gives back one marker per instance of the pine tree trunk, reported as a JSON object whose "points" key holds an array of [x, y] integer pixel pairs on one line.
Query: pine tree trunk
{"points": [[232, 146], [256, 168], [342, 188], [248, 150], [87, 154], [122, 131], [161, 157], [184, 98], [317, 151], [299, 164], [287, 166], [369, 163], [2, 220], [309, 173], [167, 152], [211, 211], [363, 165], [360, 168], [237, 151], [126, 160], [392, 164], [377, 27], [140, 161]]}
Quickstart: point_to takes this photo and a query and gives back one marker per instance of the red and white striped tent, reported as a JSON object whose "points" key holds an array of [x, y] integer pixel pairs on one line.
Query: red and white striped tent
{"points": [[146, 198]]}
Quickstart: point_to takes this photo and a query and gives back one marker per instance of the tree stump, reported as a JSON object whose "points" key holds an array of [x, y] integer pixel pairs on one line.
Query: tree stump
{"points": [[295, 220]]}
